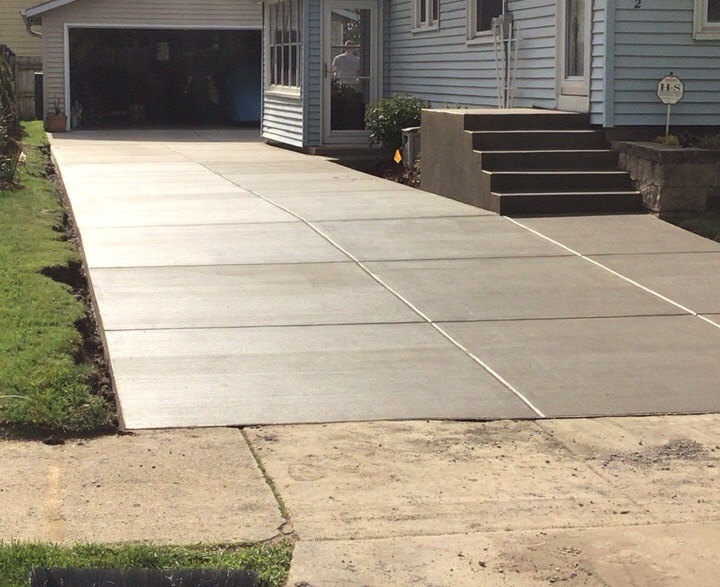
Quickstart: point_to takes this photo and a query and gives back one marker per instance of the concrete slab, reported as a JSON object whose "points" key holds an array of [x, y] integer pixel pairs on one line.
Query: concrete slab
{"points": [[238, 244], [437, 238], [382, 479], [253, 295], [172, 487], [652, 459], [621, 234], [171, 378], [671, 556], [176, 210], [685, 278], [516, 289], [603, 366], [396, 202]]}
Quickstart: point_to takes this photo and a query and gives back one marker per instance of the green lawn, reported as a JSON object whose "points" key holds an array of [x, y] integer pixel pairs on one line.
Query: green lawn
{"points": [[706, 224], [270, 563], [42, 388]]}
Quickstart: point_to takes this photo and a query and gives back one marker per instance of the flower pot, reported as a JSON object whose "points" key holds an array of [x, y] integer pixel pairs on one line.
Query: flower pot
{"points": [[55, 122]]}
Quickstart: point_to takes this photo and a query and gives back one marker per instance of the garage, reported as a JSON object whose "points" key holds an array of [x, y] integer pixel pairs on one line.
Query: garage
{"points": [[151, 63], [136, 77]]}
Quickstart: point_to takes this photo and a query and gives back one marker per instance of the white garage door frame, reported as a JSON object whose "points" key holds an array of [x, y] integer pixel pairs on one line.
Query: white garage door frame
{"points": [[128, 26]]}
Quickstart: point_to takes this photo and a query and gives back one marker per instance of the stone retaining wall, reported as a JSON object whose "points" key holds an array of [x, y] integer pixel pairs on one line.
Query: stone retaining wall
{"points": [[672, 179]]}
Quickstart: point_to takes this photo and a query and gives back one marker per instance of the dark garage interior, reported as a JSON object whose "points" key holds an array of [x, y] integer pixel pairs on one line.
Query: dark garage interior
{"points": [[164, 77]]}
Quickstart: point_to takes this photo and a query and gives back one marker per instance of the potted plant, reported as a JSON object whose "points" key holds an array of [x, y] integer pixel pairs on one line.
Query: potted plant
{"points": [[56, 121]]}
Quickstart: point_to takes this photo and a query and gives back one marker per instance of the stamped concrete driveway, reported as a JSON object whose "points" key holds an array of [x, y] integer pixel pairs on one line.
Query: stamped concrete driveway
{"points": [[239, 283]]}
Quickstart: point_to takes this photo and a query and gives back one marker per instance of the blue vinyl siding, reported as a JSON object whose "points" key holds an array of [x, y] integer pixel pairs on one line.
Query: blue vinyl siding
{"points": [[442, 67], [598, 55], [313, 73], [649, 43]]}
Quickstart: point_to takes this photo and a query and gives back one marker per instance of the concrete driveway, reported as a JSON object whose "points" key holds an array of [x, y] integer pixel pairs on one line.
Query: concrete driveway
{"points": [[239, 283]]}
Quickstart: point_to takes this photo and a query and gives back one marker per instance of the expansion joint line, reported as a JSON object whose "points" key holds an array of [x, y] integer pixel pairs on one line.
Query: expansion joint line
{"points": [[269, 480], [615, 273]]}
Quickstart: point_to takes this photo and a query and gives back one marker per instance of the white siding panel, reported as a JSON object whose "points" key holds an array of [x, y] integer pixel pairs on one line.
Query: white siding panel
{"points": [[650, 43], [128, 13], [442, 67], [283, 120]]}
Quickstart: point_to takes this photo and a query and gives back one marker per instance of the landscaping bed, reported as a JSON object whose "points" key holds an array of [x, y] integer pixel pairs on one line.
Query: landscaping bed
{"points": [[52, 374]]}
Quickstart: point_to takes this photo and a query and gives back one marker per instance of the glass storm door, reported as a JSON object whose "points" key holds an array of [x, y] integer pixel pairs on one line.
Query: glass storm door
{"points": [[573, 67], [350, 68]]}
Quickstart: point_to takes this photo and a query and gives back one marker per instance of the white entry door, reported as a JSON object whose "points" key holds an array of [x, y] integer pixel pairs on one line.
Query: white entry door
{"points": [[351, 68], [573, 55]]}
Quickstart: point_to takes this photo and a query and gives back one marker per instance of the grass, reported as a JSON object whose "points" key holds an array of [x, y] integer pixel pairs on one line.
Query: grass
{"points": [[705, 224], [270, 563], [42, 387]]}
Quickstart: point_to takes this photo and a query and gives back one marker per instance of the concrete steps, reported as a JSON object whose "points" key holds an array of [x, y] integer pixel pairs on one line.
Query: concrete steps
{"points": [[524, 161], [548, 163]]}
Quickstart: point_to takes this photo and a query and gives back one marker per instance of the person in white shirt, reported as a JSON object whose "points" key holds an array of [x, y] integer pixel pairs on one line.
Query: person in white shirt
{"points": [[346, 66]]}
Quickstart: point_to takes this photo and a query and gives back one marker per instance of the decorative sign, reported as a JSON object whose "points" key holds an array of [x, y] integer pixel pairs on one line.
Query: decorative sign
{"points": [[670, 89]]}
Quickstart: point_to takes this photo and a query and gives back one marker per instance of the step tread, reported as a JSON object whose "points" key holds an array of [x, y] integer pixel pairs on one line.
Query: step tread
{"points": [[556, 172], [573, 131], [554, 151], [573, 193]]}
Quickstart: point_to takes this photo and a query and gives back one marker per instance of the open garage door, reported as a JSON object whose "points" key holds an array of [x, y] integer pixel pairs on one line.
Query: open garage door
{"points": [[164, 77]]}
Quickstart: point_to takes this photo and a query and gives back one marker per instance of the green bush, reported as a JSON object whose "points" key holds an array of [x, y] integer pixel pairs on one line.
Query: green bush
{"points": [[709, 142], [9, 125], [386, 120]]}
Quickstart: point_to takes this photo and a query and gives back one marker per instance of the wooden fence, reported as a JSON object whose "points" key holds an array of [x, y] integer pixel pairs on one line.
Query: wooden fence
{"points": [[23, 69]]}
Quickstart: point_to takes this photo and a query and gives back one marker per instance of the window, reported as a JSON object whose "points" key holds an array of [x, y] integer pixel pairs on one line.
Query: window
{"points": [[283, 45], [707, 20], [427, 13], [480, 16]]}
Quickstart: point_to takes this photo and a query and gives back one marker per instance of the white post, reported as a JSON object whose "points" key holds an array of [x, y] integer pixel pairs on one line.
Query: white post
{"points": [[667, 124]]}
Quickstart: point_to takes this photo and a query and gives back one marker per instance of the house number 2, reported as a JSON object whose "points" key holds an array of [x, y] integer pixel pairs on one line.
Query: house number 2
{"points": [[638, 3]]}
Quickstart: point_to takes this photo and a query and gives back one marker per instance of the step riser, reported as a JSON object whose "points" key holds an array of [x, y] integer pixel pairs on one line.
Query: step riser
{"points": [[540, 140], [548, 182], [549, 160], [538, 121], [596, 203]]}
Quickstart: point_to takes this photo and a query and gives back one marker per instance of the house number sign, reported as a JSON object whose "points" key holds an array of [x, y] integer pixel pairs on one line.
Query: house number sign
{"points": [[670, 90]]}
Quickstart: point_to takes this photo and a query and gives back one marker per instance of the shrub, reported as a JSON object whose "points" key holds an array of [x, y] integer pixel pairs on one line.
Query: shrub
{"points": [[670, 140], [386, 120], [709, 142], [9, 125]]}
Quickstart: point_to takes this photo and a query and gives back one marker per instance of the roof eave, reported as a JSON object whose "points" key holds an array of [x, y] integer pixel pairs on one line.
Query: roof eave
{"points": [[42, 8]]}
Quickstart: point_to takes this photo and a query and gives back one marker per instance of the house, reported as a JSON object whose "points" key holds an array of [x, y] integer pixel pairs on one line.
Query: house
{"points": [[601, 57], [150, 61], [27, 50]]}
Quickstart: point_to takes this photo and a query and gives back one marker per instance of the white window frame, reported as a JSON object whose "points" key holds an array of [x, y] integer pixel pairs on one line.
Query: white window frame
{"points": [[285, 89], [473, 35], [703, 29], [431, 22]]}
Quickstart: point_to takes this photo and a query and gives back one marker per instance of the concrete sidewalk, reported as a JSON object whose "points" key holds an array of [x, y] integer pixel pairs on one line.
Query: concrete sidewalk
{"points": [[609, 502], [242, 284]]}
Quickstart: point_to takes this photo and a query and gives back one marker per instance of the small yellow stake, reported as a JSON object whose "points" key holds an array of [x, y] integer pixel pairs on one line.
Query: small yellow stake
{"points": [[398, 156]]}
